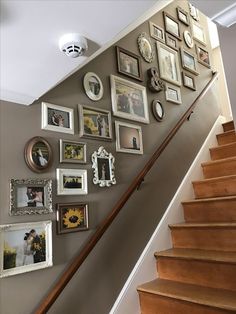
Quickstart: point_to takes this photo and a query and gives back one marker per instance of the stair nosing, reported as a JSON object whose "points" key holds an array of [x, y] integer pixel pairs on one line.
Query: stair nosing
{"points": [[228, 177], [204, 225], [210, 199], [226, 133], [218, 161], [219, 147]]}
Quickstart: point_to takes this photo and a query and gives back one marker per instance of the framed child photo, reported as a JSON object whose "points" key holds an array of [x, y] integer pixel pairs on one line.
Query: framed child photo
{"points": [[72, 182], [72, 152], [72, 217], [57, 118], [25, 247]]}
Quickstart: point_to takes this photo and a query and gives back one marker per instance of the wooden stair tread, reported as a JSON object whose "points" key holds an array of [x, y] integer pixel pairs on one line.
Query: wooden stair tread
{"points": [[223, 146], [203, 255], [211, 199], [217, 298], [218, 161], [215, 180], [204, 225]]}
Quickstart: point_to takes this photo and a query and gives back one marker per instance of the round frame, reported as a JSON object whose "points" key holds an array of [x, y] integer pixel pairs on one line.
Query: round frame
{"points": [[158, 110], [35, 159], [93, 95], [145, 47], [188, 39]]}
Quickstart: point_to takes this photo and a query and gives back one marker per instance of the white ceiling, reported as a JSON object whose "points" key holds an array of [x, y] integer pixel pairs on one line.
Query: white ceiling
{"points": [[30, 60]]}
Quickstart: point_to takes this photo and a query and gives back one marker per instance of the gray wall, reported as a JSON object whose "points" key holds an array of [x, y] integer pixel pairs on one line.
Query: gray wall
{"points": [[96, 285]]}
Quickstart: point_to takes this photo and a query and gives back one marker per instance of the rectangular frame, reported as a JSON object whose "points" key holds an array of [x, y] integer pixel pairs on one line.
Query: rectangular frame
{"points": [[27, 195], [129, 100], [186, 62], [70, 189], [171, 25], [171, 42], [173, 94], [53, 121], [183, 15], [189, 80], [132, 136], [203, 56], [74, 151], [65, 211], [96, 124], [157, 32], [198, 33], [25, 247]]}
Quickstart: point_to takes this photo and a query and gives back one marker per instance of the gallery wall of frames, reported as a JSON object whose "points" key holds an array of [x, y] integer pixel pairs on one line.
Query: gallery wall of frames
{"points": [[77, 146]]}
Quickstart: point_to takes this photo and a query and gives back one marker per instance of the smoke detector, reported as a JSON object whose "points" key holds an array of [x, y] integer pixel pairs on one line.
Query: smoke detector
{"points": [[73, 45]]}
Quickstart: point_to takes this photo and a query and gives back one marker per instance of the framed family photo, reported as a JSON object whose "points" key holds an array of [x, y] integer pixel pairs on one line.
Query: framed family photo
{"points": [[173, 94], [57, 118], [157, 32], [72, 152], [171, 25], [72, 182], [25, 247], [72, 217], [30, 196], [189, 81], [94, 123], [129, 100], [189, 61], [93, 86], [203, 56]]}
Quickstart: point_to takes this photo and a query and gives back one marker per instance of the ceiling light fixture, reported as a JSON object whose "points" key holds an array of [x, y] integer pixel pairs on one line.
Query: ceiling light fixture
{"points": [[73, 45], [227, 17]]}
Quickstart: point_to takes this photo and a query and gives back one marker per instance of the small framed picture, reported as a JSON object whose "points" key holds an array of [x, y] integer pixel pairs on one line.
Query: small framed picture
{"points": [[203, 56], [57, 118], [30, 196], [94, 123], [72, 217], [145, 47], [198, 33], [129, 64], [171, 25], [157, 32], [38, 154], [158, 110], [182, 15], [189, 61], [93, 86], [72, 182], [194, 12], [128, 138], [173, 94], [171, 42], [25, 247], [72, 152], [103, 167], [189, 81], [188, 39], [129, 100]]}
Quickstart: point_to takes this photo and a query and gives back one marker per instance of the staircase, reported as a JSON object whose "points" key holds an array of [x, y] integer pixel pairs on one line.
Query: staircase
{"points": [[198, 275]]}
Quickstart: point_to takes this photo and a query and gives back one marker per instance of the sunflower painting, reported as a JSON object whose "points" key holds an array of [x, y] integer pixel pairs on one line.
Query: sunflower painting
{"points": [[72, 217]]}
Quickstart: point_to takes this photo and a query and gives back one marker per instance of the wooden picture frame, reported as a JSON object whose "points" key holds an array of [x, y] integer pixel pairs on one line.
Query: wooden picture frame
{"points": [[203, 56], [157, 32], [171, 42], [183, 16], [158, 110], [189, 61], [171, 25], [189, 80]]}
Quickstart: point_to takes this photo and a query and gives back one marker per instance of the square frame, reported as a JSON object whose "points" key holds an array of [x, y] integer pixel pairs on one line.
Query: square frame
{"points": [[189, 80], [173, 94], [171, 25], [54, 116], [188, 61], [70, 152], [157, 32], [25, 247], [203, 56], [67, 181], [183, 16], [171, 42], [198, 33]]}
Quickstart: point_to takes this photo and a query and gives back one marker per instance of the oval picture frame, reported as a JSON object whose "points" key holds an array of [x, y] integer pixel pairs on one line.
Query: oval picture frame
{"points": [[145, 47], [93, 86], [158, 110], [188, 39], [38, 154]]}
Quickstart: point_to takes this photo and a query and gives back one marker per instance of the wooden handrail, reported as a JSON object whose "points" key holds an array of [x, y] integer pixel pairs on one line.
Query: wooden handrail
{"points": [[48, 301]]}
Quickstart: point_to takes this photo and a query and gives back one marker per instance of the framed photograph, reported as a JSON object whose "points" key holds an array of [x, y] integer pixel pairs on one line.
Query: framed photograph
{"points": [[129, 64], [203, 56], [57, 118], [128, 138], [157, 32], [25, 247], [93, 86], [168, 61], [171, 25], [198, 33], [182, 15], [129, 100], [158, 110], [72, 152], [173, 94], [94, 123], [30, 196], [145, 47], [72, 217], [189, 61], [189, 81], [194, 12], [72, 182], [38, 154], [103, 167], [188, 39], [171, 42]]}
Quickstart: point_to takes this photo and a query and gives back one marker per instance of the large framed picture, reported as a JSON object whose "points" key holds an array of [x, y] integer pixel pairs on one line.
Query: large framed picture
{"points": [[30, 196], [168, 64], [94, 123], [25, 247], [189, 61], [171, 25], [198, 33], [173, 94], [72, 182], [72, 217], [129, 63], [129, 100], [203, 56], [57, 118], [72, 152], [157, 32], [128, 138], [93, 86]]}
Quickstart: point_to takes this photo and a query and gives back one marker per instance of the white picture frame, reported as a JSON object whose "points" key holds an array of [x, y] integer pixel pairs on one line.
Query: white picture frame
{"points": [[198, 33], [93, 86], [71, 181], [173, 94]]}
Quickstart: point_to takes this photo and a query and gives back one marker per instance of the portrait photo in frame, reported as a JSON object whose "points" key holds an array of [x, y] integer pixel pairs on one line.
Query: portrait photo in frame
{"points": [[157, 32], [72, 181], [171, 25], [189, 81], [173, 94], [93, 86], [72, 152], [189, 61], [203, 56]]}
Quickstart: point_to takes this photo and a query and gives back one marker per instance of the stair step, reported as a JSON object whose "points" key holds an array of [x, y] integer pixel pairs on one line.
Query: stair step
{"points": [[204, 236], [223, 151], [169, 297], [215, 187], [228, 126], [219, 168], [226, 137], [210, 209], [198, 267]]}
